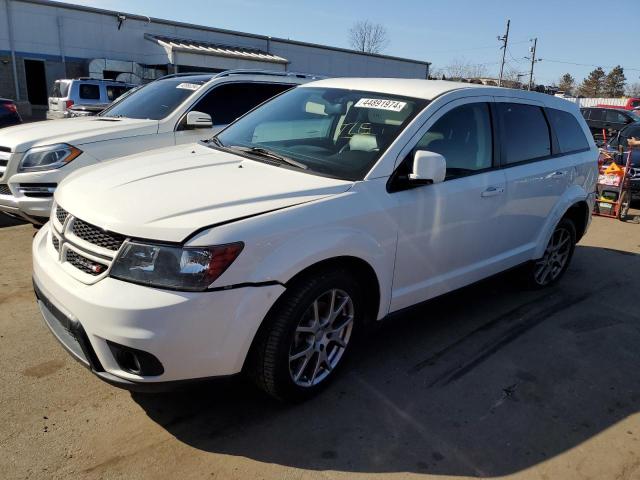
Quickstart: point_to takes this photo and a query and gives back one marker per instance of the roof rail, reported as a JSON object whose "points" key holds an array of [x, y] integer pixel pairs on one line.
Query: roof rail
{"points": [[183, 74], [278, 73], [98, 79]]}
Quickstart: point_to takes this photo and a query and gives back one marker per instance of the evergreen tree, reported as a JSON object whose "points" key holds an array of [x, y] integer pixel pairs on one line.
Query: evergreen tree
{"points": [[593, 85], [614, 83], [567, 83]]}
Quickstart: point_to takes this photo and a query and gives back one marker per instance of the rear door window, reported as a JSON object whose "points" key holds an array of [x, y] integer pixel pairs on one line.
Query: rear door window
{"points": [[89, 91], [229, 101], [597, 114], [525, 133], [571, 138]]}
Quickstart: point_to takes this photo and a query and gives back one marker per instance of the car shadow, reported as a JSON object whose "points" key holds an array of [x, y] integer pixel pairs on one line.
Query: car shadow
{"points": [[486, 381], [7, 221]]}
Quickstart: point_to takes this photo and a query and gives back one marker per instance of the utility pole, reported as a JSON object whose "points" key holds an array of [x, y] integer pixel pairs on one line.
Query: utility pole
{"points": [[533, 61], [505, 40]]}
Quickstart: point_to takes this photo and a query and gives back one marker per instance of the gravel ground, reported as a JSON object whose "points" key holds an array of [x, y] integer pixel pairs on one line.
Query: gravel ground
{"points": [[488, 381]]}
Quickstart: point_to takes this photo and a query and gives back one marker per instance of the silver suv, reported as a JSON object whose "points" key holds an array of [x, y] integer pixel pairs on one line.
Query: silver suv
{"points": [[174, 110], [84, 91]]}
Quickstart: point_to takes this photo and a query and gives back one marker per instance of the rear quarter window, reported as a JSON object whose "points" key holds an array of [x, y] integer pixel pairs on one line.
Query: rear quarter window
{"points": [[570, 136], [525, 132], [89, 91], [60, 89]]}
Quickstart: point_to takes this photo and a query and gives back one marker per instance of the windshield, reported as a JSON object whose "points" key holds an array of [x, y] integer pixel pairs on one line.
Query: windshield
{"points": [[334, 132], [155, 100]]}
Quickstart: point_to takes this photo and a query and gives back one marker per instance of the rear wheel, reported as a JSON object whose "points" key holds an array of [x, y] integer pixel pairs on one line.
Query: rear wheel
{"points": [[307, 335], [557, 256]]}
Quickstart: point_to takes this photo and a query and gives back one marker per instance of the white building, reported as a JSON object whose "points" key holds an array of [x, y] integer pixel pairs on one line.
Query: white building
{"points": [[42, 40]]}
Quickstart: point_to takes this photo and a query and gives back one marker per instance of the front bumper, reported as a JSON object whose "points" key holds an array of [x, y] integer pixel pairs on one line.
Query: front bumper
{"points": [[55, 114], [194, 335], [33, 209]]}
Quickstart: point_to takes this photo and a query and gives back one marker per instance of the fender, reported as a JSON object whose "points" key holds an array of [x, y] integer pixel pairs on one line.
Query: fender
{"points": [[572, 195], [315, 245]]}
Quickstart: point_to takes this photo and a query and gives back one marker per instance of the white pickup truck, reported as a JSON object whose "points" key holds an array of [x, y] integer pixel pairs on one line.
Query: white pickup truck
{"points": [[174, 110]]}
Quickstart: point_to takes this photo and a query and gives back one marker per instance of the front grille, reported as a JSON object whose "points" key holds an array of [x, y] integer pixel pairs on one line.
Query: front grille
{"points": [[61, 214], [85, 264], [56, 242], [97, 236], [4, 162], [4, 189], [5, 149]]}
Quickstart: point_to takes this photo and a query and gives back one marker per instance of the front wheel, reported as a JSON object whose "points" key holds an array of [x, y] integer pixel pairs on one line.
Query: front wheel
{"points": [[557, 256], [307, 335]]}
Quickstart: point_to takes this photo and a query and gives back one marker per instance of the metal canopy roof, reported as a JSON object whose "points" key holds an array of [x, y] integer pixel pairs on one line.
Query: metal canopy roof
{"points": [[207, 48]]}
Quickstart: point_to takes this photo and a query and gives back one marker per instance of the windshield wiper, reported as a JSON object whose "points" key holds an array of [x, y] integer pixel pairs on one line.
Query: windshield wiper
{"points": [[263, 152]]}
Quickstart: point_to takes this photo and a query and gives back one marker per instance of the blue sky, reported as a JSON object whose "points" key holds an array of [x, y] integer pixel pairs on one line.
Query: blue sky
{"points": [[439, 31]]}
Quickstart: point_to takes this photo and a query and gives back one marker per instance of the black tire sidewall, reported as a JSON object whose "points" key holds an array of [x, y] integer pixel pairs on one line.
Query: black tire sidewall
{"points": [[287, 314]]}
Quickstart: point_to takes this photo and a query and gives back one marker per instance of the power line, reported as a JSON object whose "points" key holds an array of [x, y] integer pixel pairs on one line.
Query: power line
{"points": [[634, 69]]}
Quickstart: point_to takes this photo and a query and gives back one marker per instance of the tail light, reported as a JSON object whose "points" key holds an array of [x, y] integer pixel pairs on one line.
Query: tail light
{"points": [[69, 103], [11, 107]]}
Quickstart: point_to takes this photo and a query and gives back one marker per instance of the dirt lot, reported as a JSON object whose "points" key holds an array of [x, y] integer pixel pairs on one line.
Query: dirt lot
{"points": [[489, 381]]}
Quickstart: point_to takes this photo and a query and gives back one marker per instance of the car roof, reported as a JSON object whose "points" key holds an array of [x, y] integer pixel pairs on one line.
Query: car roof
{"points": [[410, 87], [430, 89]]}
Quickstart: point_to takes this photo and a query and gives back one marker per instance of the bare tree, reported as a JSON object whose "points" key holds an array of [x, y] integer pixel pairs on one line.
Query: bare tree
{"points": [[368, 37], [632, 90], [459, 69]]}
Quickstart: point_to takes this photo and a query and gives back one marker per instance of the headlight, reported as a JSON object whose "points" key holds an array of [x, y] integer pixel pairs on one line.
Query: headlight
{"points": [[189, 268], [48, 158]]}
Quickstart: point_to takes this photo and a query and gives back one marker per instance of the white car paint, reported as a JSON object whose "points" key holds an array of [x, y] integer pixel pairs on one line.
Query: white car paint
{"points": [[420, 242], [101, 139]]}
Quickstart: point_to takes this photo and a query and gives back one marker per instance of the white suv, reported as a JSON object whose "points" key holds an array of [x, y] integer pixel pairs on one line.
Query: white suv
{"points": [[177, 109], [268, 249]]}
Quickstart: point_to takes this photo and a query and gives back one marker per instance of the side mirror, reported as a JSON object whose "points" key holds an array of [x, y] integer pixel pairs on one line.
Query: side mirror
{"points": [[428, 167], [198, 120]]}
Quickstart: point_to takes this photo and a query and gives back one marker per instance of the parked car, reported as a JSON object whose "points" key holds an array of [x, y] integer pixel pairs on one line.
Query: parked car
{"points": [[610, 120], [270, 248], [8, 113], [81, 110], [89, 110], [620, 141], [85, 91], [177, 109]]}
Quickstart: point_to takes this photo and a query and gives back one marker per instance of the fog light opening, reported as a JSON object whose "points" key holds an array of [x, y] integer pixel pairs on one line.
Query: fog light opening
{"points": [[135, 361]]}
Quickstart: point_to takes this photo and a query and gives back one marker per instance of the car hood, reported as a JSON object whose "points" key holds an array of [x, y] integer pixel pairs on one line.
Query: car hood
{"points": [[75, 131], [169, 193]]}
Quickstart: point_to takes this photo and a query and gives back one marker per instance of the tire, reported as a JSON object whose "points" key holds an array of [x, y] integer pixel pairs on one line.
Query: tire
{"points": [[625, 203], [547, 270], [301, 347]]}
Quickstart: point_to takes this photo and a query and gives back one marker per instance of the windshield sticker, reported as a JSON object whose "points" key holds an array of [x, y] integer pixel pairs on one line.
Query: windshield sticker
{"points": [[188, 86], [380, 104]]}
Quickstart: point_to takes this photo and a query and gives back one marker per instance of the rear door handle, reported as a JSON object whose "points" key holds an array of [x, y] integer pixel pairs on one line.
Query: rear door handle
{"points": [[560, 173], [492, 192]]}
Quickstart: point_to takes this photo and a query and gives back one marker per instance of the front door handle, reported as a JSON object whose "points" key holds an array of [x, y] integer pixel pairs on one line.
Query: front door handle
{"points": [[560, 173], [492, 192]]}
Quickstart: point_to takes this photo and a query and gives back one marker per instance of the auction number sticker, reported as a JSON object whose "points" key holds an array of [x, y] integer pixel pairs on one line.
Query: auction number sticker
{"points": [[188, 86], [380, 104]]}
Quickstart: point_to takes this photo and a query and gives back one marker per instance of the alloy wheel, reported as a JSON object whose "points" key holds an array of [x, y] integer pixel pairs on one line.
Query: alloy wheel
{"points": [[321, 338], [555, 258]]}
